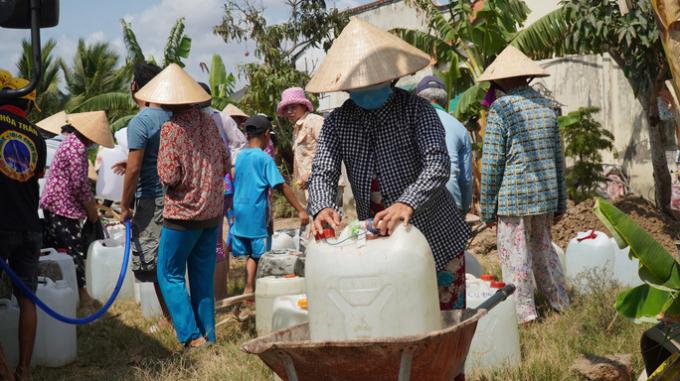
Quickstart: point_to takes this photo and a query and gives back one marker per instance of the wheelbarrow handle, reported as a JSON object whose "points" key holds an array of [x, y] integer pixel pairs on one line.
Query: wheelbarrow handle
{"points": [[498, 297]]}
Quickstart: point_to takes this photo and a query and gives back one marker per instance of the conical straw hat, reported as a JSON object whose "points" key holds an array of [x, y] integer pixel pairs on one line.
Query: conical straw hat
{"points": [[233, 111], [94, 126], [364, 55], [172, 86], [512, 63], [54, 123]]}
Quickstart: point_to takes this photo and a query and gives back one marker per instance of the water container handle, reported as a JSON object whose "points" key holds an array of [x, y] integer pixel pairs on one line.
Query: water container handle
{"points": [[48, 251], [498, 297], [591, 235], [5, 302], [46, 280]]}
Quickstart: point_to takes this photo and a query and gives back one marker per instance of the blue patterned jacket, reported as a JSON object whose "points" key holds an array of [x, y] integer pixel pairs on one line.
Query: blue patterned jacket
{"points": [[523, 164]]}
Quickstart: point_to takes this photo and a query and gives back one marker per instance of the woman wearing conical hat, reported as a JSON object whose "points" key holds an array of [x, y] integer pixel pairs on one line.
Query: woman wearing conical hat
{"points": [[67, 199], [523, 185], [393, 146], [191, 163]]}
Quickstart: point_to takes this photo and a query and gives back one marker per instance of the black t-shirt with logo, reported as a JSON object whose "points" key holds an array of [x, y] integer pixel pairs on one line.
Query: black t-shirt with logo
{"points": [[22, 163]]}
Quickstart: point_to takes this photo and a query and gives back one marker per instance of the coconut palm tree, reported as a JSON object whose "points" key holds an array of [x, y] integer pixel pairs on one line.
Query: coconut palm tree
{"points": [[121, 108], [94, 71], [49, 98]]}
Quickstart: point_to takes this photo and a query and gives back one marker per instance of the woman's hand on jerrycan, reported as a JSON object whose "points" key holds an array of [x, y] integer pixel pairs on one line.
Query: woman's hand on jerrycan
{"points": [[388, 219], [326, 217]]}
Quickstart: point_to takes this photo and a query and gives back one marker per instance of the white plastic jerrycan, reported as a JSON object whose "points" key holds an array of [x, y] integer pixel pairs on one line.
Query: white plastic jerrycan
{"points": [[625, 267], [109, 184], [590, 252], [66, 265], [266, 290], [104, 260], [496, 340], [283, 241], [383, 287], [9, 328], [289, 311], [148, 299], [55, 342]]}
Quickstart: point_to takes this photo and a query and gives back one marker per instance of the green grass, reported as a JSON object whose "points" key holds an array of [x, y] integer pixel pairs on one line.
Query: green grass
{"points": [[117, 347], [590, 327]]}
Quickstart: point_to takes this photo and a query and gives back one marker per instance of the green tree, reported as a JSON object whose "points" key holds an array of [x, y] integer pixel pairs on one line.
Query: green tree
{"points": [[119, 104], [278, 47], [596, 27], [94, 71], [584, 139], [633, 41], [49, 97], [464, 40]]}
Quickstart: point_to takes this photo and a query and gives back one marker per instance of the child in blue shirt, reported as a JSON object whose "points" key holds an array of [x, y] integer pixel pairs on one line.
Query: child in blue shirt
{"points": [[255, 173]]}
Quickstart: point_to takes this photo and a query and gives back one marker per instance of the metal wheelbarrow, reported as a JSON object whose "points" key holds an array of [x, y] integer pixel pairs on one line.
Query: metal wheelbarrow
{"points": [[436, 356]]}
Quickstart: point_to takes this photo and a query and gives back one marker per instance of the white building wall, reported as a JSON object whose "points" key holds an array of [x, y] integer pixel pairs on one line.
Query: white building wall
{"points": [[596, 81]]}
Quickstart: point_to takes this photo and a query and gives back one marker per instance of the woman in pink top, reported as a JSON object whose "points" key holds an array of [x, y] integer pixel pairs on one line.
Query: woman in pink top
{"points": [[67, 199], [191, 164]]}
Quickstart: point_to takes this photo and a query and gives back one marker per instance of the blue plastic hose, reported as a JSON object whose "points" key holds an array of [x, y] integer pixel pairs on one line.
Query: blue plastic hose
{"points": [[66, 319]]}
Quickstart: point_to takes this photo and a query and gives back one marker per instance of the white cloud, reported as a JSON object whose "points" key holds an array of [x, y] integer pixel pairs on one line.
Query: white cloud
{"points": [[66, 48], [10, 48], [95, 37], [152, 27]]}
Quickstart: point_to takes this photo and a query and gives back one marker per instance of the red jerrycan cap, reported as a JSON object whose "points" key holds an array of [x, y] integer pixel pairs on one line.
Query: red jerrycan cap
{"points": [[325, 234], [496, 284], [487, 277]]}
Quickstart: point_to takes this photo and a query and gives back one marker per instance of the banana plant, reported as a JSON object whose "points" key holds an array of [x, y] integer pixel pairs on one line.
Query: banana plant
{"points": [[658, 269], [221, 83]]}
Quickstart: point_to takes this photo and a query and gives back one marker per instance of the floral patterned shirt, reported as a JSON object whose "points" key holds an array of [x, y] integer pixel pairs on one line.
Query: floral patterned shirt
{"points": [[192, 162], [67, 186]]}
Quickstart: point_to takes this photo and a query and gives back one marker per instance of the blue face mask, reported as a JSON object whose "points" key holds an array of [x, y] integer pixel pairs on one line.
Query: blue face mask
{"points": [[371, 99]]}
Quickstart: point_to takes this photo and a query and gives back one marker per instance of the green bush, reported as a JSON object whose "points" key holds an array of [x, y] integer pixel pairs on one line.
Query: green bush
{"points": [[584, 138]]}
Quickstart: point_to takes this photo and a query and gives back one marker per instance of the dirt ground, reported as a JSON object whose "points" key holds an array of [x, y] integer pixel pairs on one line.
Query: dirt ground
{"points": [[581, 218]]}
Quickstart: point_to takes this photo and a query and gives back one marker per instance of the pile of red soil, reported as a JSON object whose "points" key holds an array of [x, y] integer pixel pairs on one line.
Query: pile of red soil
{"points": [[581, 218]]}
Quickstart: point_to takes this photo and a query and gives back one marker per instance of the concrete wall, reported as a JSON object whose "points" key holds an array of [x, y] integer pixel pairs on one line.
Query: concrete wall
{"points": [[596, 81]]}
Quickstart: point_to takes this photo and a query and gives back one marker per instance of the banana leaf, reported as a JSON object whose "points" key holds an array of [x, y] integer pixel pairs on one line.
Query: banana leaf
{"points": [[643, 303], [657, 267]]}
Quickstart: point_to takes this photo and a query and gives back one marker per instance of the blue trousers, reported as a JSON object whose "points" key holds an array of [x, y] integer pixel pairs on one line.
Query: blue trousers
{"points": [[193, 316]]}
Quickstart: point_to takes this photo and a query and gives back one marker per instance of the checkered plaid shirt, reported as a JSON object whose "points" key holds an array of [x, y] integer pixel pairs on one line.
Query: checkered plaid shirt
{"points": [[402, 145], [523, 164]]}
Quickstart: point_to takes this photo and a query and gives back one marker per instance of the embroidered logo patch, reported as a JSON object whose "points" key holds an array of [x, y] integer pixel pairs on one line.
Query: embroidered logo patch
{"points": [[18, 156]]}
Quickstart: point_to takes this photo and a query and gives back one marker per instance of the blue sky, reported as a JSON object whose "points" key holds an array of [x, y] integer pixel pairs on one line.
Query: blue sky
{"points": [[99, 20]]}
